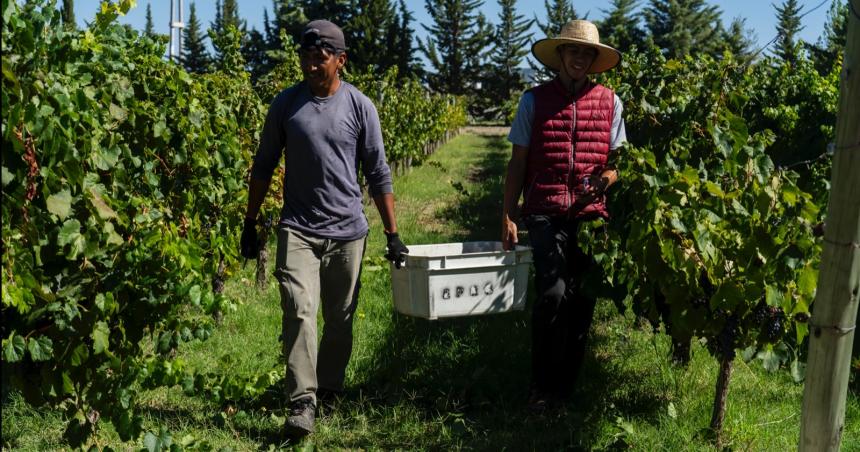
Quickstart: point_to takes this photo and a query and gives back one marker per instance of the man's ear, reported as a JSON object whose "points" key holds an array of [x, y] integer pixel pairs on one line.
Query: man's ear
{"points": [[341, 60]]}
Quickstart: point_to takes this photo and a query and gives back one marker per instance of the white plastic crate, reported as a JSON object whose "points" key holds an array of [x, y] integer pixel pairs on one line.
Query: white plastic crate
{"points": [[461, 279]]}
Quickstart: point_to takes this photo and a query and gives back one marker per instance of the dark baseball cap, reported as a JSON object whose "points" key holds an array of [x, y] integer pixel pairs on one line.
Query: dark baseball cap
{"points": [[322, 33]]}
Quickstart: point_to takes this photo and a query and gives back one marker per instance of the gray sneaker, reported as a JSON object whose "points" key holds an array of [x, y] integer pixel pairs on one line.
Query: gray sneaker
{"points": [[301, 420]]}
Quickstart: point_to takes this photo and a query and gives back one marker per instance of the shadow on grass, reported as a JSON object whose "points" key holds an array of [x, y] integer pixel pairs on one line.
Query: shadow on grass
{"points": [[467, 378], [478, 368], [243, 418]]}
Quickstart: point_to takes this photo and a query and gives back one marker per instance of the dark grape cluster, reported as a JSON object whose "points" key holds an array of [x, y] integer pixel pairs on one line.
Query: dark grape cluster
{"points": [[818, 230], [772, 329], [759, 313], [769, 321], [705, 284], [699, 302], [269, 222], [680, 351], [728, 337]]}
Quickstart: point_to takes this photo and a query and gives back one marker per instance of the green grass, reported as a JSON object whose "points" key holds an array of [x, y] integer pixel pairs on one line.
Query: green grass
{"points": [[460, 383]]}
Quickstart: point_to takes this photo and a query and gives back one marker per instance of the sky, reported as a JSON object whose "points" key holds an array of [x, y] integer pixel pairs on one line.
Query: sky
{"points": [[759, 14]]}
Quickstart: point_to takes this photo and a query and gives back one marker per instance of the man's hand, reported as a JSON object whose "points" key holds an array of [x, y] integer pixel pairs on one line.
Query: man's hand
{"points": [[249, 245], [597, 186], [397, 251], [509, 233]]}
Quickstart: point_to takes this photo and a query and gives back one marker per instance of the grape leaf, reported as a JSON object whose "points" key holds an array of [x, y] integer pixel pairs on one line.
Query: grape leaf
{"points": [[103, 209], [101, 337], [40, 348], [5, 175], [60, 203], [13, 348]]}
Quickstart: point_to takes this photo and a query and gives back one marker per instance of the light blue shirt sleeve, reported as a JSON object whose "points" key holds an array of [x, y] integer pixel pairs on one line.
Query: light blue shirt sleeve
{"points": [[618, 134], [521, 129]]}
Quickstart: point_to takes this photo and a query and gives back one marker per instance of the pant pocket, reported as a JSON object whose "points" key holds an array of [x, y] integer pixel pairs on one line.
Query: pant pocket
{"points": [[288, 302]]}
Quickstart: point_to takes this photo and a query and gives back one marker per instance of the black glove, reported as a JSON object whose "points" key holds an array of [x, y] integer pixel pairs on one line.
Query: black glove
{"points": [[248, 244], [397, 251]]}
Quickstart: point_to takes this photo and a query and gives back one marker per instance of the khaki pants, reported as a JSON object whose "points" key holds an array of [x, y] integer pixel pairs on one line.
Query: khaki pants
{"points": [[310, 270]]}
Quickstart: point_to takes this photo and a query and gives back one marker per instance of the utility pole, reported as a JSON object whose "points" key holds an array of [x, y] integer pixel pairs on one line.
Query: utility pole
{"points": [[176, 26], [834, 313]]}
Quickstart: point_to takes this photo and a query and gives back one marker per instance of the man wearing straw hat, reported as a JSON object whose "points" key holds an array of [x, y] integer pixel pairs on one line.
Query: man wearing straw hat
{"points": [[563, 136]]}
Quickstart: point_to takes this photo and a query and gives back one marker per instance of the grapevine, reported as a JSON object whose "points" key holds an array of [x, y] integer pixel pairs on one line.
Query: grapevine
{"points": [[124, 187], [713, 227]]}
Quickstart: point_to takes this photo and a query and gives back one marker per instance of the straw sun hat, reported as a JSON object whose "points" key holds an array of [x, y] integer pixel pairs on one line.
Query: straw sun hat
{"points": [[581, 32]]}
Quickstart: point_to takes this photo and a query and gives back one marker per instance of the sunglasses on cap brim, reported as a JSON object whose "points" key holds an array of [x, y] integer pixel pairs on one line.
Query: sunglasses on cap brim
{"points": [[311, 40]]}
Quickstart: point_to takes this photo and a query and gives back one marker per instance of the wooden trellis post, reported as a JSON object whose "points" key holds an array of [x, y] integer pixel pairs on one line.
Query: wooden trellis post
{"points": [[835, 309]]}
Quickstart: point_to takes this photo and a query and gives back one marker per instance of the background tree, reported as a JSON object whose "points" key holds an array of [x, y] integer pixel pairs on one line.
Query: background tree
{"points": [[400, 41], [831, 44], [372, 30], [232, 62], [455, 45], [478, 63], [680, 26], [226, 15], [68, 14], [288, 16], [620, 28], [511, 46], [195, 57], [338, 11], [787, 27], [739, 40], [149, 28], [261, 47], [255, 53], [558, 13]]}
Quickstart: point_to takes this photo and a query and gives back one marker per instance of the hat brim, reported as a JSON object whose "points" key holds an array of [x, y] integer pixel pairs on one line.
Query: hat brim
{"points": [[544, 51]]}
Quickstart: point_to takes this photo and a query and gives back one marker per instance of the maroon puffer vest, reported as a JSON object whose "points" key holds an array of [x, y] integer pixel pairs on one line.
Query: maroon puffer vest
{"points": [[560, 155]]}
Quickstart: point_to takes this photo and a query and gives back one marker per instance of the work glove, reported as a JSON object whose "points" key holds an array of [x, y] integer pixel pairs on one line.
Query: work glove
{"points": [[397, 251], [249, 244]]}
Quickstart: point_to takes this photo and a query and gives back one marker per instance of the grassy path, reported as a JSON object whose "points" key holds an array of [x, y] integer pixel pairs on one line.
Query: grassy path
{"points": [[461, 383]]}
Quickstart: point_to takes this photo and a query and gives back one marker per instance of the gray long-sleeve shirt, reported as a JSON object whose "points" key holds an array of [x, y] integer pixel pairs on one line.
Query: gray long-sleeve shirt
{"points": [[325, 141]]}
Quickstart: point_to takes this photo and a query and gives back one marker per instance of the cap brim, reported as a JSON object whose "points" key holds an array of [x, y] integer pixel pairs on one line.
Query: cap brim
{"points": [[544, 51]]}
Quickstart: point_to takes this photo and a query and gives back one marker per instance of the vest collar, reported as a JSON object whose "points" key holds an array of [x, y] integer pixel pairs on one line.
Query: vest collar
{"points": [[562, 90]]}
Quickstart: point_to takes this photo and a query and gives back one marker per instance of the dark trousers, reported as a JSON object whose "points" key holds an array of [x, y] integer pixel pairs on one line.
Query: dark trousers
{"points": [[561, 316]]}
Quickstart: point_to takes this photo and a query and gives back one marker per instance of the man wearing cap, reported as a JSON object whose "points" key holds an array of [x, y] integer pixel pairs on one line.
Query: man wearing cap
{"points": [[563, 136], [327, 131]]}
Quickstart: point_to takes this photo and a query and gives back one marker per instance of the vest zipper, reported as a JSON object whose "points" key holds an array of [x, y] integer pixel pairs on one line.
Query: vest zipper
{"points": [[570, 162]]}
